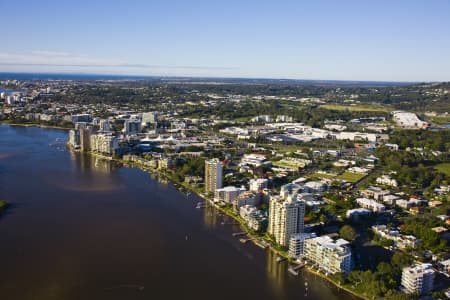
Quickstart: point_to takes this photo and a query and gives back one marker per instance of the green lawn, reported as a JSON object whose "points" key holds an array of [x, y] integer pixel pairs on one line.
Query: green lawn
{"points": [[321, 175], [444, 168], [285, 148], [351, 177], [440, 120], [359, 107]]}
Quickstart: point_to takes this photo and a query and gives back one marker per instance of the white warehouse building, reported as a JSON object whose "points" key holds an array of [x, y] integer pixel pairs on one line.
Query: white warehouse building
{"points": [[408, 120]]}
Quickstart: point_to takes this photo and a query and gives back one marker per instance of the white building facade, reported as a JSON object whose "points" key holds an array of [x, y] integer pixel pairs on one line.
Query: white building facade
{"points": [[213, 175], [329, 255], [418, 279], [286, 217]]}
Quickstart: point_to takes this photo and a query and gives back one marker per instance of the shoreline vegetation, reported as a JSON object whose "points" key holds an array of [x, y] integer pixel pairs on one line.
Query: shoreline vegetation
{"points": [[3, 205], [5, 122]]}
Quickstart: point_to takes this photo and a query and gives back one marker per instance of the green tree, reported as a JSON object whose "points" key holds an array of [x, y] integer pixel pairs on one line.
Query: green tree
{"points": [[388, 274], [401, 260], [347, 232]]}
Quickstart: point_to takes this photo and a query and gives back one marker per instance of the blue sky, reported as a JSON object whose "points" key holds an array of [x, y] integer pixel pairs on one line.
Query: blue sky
{"points": [[343, 40]]}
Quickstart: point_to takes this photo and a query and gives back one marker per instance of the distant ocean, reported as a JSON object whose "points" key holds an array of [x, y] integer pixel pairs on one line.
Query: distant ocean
{"points": [[65, 76], [56, 76]]}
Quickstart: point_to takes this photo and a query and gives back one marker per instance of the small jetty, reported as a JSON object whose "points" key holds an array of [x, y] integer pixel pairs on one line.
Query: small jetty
{"points": [[229, 223], [243, 241], [261, 244], [200, 205], [280, 259], [239, 233], [293, 269]]}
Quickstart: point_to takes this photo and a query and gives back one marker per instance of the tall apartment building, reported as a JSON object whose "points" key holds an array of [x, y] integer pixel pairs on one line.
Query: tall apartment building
{"points": [[74, 138], [213, 175], [85, 138], [78, 136], [331, 256], [132, 126], [418, 278], [104, 143], [286, 217], [105, 125]]}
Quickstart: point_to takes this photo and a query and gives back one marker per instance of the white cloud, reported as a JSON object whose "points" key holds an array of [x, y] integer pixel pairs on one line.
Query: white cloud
{"points": [[54, 61], [53, 58], [50, 53]]}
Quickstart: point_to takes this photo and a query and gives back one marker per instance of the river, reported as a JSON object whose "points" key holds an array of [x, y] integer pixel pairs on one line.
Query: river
{"points": [[83, 228]]}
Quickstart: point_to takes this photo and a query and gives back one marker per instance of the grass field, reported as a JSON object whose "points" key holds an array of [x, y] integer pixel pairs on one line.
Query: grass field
{"points": [[351, 177], [321, 175], [359, 107], [440, 120], [288, 164], [444, 168]]}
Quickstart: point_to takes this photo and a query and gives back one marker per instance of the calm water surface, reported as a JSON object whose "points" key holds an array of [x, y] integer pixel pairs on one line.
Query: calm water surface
{"points": [[83, 228]]}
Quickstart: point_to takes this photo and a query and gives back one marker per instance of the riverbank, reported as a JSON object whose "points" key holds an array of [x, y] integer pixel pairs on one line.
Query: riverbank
{"points": [[337, 284], [258, 240], [3, 122]]}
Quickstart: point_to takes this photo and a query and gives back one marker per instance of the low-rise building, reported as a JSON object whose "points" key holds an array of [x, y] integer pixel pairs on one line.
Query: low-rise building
{"points": [[408, 120], [253, 160], [390, 199], [387, 180], [297, 244], [227, 194], [330, 256], [407, 204], [357, 213], [80, 118], [374, 192], [256, 219], [315, 187], [418, 279], [257, 185], [246, 198], [371, 204], [400, 240]]}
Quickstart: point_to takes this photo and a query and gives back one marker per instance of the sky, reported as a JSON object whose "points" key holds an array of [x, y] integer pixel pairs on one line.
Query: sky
{"points": [[395, 40]]}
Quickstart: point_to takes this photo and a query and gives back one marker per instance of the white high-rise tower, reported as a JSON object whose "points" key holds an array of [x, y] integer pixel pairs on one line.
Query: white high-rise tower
{"points": [[286, 218], [213, 175]]}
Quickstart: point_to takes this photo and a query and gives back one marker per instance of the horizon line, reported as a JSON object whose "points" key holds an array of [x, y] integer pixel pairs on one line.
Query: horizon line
{"points": [[214, 77]]}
